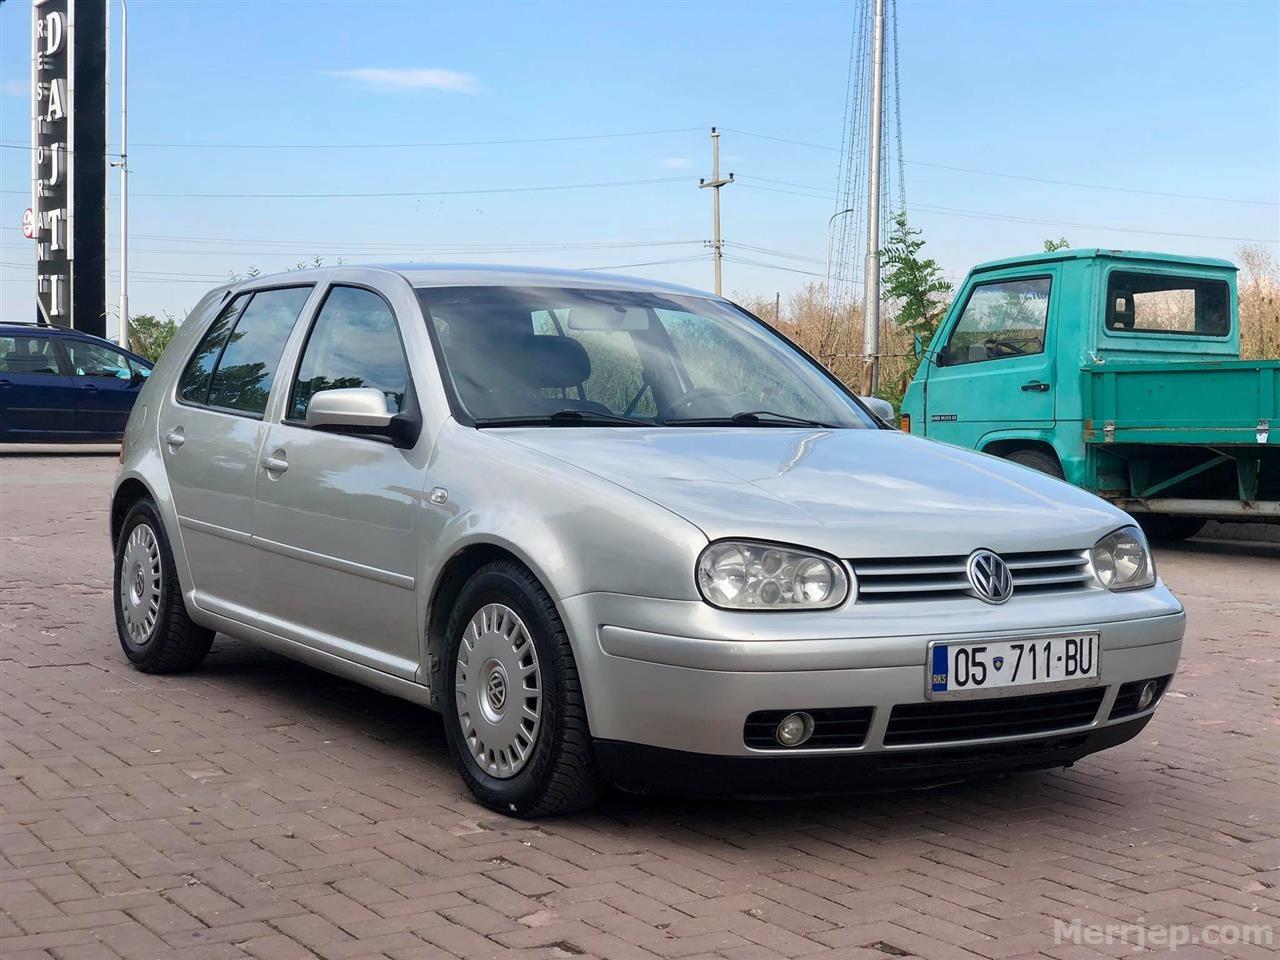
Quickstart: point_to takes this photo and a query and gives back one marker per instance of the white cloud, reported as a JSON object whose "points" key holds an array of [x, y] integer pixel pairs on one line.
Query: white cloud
{"points": [[412, 78], [676, 163], [15, 88]]}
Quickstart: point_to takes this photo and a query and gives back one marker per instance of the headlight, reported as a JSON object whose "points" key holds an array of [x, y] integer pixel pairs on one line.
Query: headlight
{"points": [[741, 575], [1121, 560]]}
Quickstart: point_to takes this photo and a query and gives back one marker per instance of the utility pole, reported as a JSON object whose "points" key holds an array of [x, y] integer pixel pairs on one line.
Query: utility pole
{"points": [[715, 183], [124, 174], [871, 287]]}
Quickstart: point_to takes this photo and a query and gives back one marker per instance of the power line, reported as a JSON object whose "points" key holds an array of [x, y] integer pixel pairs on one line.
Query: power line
{"points": [[1013, 218], [402, 194], [394, 146]]}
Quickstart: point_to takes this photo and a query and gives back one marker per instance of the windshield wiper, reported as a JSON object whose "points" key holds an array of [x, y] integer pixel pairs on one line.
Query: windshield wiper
{"points": [[568, 417], [751, 418]]}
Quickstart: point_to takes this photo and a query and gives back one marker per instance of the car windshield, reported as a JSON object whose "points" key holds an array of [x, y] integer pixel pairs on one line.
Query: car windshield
{"points": [[584, 357]]}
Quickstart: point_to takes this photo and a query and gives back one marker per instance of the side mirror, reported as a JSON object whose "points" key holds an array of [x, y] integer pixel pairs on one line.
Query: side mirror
{"points": [[917, 346], [137, 376], [358, 410], [881, 408]]}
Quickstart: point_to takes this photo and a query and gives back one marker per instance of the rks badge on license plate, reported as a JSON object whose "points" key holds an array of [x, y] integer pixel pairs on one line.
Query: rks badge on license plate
{"points": [[970, 668]]}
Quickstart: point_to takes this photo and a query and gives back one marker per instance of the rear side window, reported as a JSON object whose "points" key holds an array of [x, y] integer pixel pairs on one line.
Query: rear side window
{"points": [[242, 380], [354, 343], [1150, 303], [23, 354], [193, 387]]}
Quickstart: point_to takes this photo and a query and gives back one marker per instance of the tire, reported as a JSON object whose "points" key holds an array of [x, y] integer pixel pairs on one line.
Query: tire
{"points": [[517, 766], [1166, 529], [155, 631], [1038, 460]]}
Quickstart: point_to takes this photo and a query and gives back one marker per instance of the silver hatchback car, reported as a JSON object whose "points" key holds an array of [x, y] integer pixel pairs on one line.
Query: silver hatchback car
{"points": [[618, 531]]}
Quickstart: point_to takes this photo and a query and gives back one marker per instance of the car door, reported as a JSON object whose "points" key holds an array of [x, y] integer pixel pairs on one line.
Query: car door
{"points": [[335, 514], [211, 431], [993, 371], [37, 397], [106, 386]]}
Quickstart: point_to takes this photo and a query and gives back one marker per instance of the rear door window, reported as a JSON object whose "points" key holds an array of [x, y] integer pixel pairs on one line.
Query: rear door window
{"points": [[24, 354], [1151, 303], [193, 386]]}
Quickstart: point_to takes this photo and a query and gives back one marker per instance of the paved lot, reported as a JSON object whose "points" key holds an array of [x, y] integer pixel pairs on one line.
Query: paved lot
{"points": [[262, 809]]}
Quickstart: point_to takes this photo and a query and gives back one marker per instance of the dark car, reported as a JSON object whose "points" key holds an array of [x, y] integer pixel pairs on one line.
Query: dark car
{"points": [[65, 386]]}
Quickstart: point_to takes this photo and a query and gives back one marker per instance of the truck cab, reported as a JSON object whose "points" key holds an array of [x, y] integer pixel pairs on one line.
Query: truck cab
{"points": [[1118, 371]]}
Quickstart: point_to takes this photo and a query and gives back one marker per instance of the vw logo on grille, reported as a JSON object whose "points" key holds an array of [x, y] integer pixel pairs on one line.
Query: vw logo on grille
{"points": [[990, 577]]}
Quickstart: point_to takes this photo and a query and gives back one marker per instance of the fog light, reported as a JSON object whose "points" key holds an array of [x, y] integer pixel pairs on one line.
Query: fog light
{"points": [[795, 729], [1145, 697]]}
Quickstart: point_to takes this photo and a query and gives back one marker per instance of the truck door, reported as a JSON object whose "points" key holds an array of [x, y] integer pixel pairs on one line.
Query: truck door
{"points": [[993, 370]]}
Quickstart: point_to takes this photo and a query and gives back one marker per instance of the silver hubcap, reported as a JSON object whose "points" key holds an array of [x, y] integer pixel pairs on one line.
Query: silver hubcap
{"points": [[499, 690], [141, 578]]}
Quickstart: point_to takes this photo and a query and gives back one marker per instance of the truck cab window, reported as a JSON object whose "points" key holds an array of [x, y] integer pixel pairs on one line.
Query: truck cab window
{"points": [[1002, 319], [1151, 303]]}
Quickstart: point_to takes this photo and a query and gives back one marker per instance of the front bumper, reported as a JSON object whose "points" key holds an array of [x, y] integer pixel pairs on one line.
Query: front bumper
{"points": [[691, 691]]}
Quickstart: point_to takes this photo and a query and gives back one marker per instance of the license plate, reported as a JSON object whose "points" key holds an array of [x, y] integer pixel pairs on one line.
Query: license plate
{"points": [[982, 668]]}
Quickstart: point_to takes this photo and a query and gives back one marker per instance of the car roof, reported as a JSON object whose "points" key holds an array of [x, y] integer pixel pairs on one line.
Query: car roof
{"points": [[1101, 253], [496, 275]]}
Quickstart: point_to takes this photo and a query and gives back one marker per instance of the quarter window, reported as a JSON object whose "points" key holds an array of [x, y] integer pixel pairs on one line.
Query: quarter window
{"points": [[354, 343], [1150, 303], [247, 367], [1002, 319], [28, 355]]}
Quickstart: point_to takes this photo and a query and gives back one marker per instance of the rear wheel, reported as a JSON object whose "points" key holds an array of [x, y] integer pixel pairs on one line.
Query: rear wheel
{"points": [[151, 618], [1038, 460], [513, 711], [1161, 527]]}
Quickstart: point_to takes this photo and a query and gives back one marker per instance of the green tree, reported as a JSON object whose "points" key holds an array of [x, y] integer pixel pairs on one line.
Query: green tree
{"points": [[1062, 243], [149, 335], [914, 281]]}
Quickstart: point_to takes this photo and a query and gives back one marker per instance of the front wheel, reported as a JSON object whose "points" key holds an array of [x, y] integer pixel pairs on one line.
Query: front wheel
{"points": [[1161, 527], [514, 712], [155, 631], [1038, 460]]}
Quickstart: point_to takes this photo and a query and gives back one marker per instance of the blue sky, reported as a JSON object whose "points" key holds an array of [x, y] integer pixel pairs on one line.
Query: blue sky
{"points": [[1175, 98]]}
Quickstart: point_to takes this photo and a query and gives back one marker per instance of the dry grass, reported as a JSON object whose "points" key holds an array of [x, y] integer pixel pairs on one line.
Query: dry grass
{"points": [[835, 337], [1259, 283]]}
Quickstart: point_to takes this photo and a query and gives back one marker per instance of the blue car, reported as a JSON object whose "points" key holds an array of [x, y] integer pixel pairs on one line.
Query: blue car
{"points": [[65, 386]]}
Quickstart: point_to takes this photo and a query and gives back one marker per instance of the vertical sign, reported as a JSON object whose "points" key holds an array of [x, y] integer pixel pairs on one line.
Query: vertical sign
{"points": [[69, 167]]}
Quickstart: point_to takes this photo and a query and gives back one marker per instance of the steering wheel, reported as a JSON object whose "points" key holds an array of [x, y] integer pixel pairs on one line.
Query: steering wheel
{"points": [[682, 403], [1002, 348]]}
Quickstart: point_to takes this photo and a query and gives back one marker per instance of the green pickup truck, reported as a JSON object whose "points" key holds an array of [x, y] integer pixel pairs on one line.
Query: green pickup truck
{"points": [[1118, 371]]}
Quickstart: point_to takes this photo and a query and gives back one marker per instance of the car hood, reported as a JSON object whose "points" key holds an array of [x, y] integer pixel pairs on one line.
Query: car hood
{"points": [[850, 493]]}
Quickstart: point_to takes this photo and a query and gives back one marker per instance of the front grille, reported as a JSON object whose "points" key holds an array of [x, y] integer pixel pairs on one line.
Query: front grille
{"points": [[833, 727], [944, 578], [1127, 696], [955, 721]]}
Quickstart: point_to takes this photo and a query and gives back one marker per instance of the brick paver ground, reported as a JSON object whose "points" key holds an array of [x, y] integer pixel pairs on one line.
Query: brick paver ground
{"points": [[262, 809]]}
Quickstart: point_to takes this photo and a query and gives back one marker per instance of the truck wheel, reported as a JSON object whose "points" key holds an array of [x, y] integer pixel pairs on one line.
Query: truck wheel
{"points": [[1161, 527], [151, 618], [1038, 460], [513, 709]]}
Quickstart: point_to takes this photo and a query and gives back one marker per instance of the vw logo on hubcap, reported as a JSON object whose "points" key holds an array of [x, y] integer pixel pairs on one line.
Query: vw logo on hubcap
{"points": [[990, 577], [496, 690]]}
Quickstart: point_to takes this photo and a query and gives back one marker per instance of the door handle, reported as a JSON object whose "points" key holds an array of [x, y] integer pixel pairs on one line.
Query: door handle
{"points": [[275, 465], [175, 439], [1035, 386]]}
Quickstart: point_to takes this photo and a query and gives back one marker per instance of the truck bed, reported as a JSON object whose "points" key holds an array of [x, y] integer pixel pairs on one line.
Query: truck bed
{"points": [[1205, 403]]}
